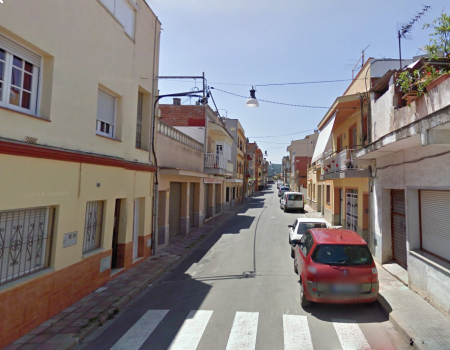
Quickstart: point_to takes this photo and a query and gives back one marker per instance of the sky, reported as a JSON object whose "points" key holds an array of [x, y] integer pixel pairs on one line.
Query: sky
{"points": [[240, 43]]}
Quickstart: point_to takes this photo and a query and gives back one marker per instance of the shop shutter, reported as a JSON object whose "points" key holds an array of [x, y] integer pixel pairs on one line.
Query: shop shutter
{"points": [[191, 204], [435, 222], [398, 226], [106, 107], [20, 51], [174, 208]]}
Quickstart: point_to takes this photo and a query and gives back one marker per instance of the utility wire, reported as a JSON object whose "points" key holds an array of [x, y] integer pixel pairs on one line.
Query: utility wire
{"points": [[274, 102], [295, 133]]}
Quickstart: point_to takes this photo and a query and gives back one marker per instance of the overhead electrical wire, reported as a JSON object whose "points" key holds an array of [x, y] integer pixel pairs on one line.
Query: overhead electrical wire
{"points": [[274, 102]]}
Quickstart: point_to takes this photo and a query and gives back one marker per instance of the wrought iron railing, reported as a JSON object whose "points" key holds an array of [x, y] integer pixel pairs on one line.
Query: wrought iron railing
{"points": [[340, 161], [25, 242], [93, 226]]}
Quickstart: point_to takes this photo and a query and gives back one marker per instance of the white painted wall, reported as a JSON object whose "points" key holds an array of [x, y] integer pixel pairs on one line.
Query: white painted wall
{"points": [[196, 132]]}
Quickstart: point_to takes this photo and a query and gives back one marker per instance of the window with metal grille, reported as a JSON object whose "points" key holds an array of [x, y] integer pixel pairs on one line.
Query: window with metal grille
{"points": [[93, 226], [139, 121], [328, 194], [19, 69], [106, 113], [25, 242]]}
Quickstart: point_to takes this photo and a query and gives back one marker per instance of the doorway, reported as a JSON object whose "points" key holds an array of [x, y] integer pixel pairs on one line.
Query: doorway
{"points": [[135, 228], [115, 240]]}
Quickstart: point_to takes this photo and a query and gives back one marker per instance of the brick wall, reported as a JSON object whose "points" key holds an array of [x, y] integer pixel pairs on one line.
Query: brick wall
{"points": [[179, 115]]}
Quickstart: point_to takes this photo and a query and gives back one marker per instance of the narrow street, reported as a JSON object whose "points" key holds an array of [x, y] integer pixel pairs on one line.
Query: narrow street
{"points": [[238, 290]]}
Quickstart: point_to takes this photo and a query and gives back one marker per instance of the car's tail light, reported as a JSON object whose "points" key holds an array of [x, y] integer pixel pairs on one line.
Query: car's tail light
{"points": [[374, 271]]}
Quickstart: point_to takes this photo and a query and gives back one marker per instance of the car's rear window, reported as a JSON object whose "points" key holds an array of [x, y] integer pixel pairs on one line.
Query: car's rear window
{"points": [[305, 226], [342, 255], [284, 188], [295, 197]]}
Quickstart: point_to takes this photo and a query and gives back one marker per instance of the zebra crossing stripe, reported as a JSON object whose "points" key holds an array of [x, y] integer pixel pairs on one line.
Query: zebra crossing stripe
{"points": [[296, 333], [243, 331], [191, 331], [350, 335], [141, 330]]}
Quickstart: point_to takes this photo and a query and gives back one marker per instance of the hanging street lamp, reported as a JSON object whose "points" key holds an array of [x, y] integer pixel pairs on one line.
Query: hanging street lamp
{"points": [[252, 101]]}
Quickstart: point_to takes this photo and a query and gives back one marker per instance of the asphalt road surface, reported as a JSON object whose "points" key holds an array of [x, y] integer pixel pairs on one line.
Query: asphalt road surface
{"points": [[238, 290]]}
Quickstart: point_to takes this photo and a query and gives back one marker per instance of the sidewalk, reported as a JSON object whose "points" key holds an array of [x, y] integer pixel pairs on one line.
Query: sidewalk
{"points": [[67, 329], [413, 317]]}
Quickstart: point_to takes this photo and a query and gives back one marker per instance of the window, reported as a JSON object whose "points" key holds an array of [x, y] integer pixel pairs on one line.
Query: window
{"points": [[295, 197], [106, 113], [306, 243], [139, 121], [19, 71], [305, 226], [25, 240], [93, 226], [328, 194], [343, 255], [125, 12]]}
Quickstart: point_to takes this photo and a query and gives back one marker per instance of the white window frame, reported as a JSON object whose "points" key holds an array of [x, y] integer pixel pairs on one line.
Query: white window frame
{"points": [[4, 98], [112, 133], [132, 4]]}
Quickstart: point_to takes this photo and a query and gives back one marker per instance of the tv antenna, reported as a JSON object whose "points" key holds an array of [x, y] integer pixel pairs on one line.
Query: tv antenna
{"points": [[404, 30], [356, 67]]}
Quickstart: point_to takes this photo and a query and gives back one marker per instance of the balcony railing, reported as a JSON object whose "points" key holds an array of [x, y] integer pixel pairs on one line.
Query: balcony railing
{"points": [[341, 162], [218, 162]]}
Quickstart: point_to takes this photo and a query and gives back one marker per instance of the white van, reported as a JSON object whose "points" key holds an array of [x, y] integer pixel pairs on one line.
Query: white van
{"points": [[292, 201]]}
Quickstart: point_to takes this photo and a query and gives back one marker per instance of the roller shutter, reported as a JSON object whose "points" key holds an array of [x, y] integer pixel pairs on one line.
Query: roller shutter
{"points": [[174, 208], [20, 51], [435, 222], [191, 204], [106, 107], [398, 226]]}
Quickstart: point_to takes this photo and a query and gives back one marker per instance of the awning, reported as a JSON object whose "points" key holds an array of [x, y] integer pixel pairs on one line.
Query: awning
{"points": [[323, 140]]}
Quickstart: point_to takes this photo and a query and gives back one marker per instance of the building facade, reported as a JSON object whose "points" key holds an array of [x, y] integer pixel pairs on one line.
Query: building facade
{"points": [[77, 181], [409, 151], [300, 154]]}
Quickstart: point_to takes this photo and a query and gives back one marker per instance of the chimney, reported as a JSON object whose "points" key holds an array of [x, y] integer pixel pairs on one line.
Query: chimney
{"points": [[177, 101]]}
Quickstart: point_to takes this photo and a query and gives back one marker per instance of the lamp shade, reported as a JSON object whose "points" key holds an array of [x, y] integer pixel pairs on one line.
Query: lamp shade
{"points": [[252, 101]]}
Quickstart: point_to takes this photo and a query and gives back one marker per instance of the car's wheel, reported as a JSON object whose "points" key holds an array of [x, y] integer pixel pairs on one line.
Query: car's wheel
{"points": [[292, 254], [295, 267], [303, 301]]}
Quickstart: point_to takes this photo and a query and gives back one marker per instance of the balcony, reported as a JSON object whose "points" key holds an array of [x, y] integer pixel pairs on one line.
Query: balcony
{"points": [[342, 165], [217, 164]]}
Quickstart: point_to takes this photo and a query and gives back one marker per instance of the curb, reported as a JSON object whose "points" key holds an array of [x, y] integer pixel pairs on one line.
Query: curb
{"points": [[123, 301]]}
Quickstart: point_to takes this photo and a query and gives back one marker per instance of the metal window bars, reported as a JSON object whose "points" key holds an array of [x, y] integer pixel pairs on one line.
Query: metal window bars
{"points": [[25, 240], [93, 226]]}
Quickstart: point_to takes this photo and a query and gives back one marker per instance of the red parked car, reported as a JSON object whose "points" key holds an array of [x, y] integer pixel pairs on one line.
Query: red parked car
{"points": [[335, 266]]}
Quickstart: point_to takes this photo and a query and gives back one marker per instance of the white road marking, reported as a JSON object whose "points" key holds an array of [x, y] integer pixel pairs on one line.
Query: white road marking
{"points": [[191, 331], [296, 333], [350, 335], [243, 331], [141, 330]]}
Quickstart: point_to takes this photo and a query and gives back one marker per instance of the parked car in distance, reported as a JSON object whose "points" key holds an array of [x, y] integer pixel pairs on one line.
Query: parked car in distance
{"points": [[292, 201], [335, 266], [261, 187], [282, 190], [300, 226]]}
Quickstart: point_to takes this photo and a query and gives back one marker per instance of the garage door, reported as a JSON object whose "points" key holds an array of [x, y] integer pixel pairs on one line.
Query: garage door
{"points": [[174, 208], [435, 222], [398, 226], [191, 204]]}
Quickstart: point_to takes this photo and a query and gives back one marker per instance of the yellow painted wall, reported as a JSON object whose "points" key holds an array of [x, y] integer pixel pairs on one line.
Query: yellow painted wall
{"points": [[83, 47], [31, 182], [344, 129]]}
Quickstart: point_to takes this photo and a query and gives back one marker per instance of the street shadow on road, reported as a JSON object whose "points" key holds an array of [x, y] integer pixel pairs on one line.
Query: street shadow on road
{"points": [[359, 313]]}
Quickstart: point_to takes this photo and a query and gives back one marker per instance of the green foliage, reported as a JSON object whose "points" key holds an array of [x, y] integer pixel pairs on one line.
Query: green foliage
{"points": [[418, 79], [440, 37]]}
